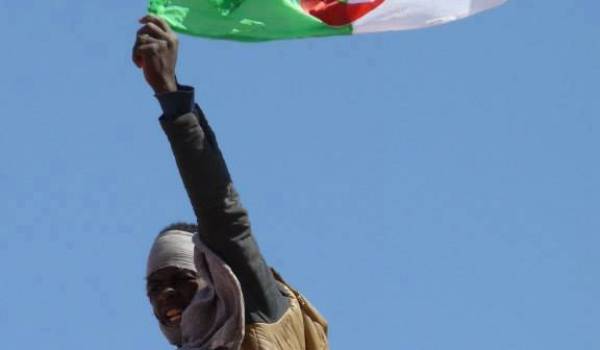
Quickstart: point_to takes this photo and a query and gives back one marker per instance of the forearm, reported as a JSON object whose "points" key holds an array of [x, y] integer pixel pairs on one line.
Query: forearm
{"points": [[201, 166]]}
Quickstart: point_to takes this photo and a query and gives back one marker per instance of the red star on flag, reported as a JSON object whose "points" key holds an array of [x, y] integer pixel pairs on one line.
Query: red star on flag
{"points": [[339, 13]]}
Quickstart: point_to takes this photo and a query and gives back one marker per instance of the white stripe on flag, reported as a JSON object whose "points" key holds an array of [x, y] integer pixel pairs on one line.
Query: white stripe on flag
{"points": [[413, 14]]}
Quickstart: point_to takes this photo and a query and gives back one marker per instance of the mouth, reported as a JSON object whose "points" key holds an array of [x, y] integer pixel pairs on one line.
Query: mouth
{"points": [[172, 316]]}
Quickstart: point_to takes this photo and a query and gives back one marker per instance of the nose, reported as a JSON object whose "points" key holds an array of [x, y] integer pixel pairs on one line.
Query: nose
{"points": [[166, 294]]}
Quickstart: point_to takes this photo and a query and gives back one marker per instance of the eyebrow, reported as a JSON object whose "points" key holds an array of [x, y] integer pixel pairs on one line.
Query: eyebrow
{"points": [[178, 274]]}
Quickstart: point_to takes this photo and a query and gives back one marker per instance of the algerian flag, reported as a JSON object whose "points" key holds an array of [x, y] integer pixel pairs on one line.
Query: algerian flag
{"points": [[258, 20]]}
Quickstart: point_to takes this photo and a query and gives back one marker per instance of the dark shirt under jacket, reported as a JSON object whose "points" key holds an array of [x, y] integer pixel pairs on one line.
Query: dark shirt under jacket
{"points": [[223, 222]]}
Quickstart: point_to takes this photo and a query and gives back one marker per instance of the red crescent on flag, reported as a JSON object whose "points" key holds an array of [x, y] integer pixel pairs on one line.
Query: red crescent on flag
{"points": [[337, 13]]}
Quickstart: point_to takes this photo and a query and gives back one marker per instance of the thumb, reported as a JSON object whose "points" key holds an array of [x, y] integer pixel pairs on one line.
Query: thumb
{"points": [[138, 60]]}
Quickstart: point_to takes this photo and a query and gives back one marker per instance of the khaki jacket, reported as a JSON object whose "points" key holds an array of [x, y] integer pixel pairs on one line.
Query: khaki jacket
{"points": [[300, 328]]}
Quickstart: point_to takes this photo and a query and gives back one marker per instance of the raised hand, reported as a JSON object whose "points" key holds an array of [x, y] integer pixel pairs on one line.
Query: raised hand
{"points": [[155, 52]]}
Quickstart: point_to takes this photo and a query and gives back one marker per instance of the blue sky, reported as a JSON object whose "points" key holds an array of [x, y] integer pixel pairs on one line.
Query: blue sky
{"points": [[434, 189]]}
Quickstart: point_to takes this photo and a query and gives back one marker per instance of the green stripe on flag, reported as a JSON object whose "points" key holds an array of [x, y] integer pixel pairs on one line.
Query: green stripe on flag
{"points": [[242, 20]]}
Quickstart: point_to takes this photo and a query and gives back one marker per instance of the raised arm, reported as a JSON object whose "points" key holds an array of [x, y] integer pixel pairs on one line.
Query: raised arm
{"points": [[223, 222]]}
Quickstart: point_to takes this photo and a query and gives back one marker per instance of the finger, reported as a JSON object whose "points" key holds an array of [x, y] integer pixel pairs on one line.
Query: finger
{"points": [[140, 41], [146, 39], [153, 30], [147, 49], [135, 56], [138, 60], [161, 23]]}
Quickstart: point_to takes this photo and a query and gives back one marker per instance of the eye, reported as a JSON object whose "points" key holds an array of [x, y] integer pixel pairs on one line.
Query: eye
{"points": [[183, 282], [153, 288], [190, 278]]}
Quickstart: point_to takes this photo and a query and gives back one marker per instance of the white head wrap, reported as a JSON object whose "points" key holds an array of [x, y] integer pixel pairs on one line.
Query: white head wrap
{"points": [[173, 248], [215, 317]]}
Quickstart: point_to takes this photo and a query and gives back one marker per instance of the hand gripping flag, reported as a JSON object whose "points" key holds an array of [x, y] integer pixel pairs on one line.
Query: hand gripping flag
{"points": [[259, 20]]}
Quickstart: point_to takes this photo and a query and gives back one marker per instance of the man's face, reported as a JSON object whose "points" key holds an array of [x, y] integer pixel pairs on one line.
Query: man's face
{"points": [[170, 291]]}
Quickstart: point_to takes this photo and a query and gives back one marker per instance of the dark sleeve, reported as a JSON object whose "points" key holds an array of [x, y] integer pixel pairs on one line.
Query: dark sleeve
{"points": [[223, 222]]}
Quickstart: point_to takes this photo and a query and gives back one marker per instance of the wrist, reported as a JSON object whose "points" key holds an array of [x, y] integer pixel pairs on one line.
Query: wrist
{"points": [[165, 87], [175, 104]]}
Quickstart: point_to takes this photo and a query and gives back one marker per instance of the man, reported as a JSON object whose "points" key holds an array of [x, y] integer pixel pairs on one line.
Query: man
{"points": [[208, 284]]}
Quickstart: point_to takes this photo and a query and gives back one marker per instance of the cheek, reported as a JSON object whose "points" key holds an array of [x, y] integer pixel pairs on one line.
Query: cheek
{"points": [[153, 303], [189, 291], [155, 310]]}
